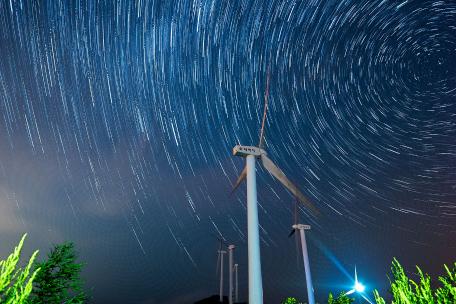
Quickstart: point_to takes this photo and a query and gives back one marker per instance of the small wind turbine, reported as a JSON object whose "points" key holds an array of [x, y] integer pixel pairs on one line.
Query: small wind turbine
{"points": [[358, 287], [236, 297], [251, 153], [305, 257], [220, 263], [230, 292]]}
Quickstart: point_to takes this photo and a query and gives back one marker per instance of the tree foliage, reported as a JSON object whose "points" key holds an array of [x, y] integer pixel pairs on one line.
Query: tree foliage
{"points": [[341, 299], [290, 300], [59, 281], [447, 293], [407, 291], [16, 284]]}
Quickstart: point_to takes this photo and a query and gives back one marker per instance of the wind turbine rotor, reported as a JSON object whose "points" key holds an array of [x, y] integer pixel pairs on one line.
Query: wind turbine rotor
{"points": [[359, 288]]}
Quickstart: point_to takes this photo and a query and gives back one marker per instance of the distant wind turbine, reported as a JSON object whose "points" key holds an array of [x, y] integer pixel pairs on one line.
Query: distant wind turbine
{"points": [[305, 257], [236, 297], [220, 264], [251, 153], [230, 292]]}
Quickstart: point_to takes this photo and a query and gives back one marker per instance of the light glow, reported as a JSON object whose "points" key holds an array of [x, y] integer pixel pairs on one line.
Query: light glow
{"points": [[359, 287]]}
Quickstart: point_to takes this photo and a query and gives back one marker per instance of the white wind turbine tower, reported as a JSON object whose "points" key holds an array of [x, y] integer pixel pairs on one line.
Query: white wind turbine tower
{"points": [[220, 262], [251, 153]]}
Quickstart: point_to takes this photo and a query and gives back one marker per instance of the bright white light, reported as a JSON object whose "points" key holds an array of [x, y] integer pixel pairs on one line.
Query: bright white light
{"points": [[359, 287]]}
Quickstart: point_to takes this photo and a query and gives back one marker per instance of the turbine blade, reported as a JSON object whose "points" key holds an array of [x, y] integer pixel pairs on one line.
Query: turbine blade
{"points": [[240, 179], [356, 276], [277, 173], [349, 292], [296, 211], [298, 251], [218, 263], [367, 299], [291, 233], [265, 111]]}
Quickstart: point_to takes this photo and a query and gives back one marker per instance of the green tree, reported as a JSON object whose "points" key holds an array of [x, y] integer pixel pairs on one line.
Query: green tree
{"points": [[447, 293], [59, 280], [16, 284], [341, 299], [290, 300], [406, 291]]}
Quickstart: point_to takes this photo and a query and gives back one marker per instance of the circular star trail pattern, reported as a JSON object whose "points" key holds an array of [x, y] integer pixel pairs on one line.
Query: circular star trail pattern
{"points": [[124, 114]]}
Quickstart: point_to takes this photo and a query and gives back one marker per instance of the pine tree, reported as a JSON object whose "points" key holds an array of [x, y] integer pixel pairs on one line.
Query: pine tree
{"points": [[58, 280]]}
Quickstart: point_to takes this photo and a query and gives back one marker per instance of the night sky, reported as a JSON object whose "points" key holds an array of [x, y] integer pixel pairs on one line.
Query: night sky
{"points": [[117, 121]]}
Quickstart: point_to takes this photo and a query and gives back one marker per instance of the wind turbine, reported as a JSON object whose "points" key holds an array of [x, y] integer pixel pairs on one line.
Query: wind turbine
{"points": [[230, 293], [251, 154], [236, 298], [305, 257], [358, 287], [220, 263]]}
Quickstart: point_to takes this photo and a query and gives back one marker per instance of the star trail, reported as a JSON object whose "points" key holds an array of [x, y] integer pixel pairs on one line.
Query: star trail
{"points": [[117, 120]]}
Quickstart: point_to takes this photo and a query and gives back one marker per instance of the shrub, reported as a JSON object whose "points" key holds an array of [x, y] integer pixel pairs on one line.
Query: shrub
{"points": [[341, 299], [407, 291], [291, 300], [447, 293], [16, 285]]}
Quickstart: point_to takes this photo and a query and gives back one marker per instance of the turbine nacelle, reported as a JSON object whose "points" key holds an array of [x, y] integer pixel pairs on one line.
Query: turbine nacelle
{"points": [[244, 151], [301, 227]]}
